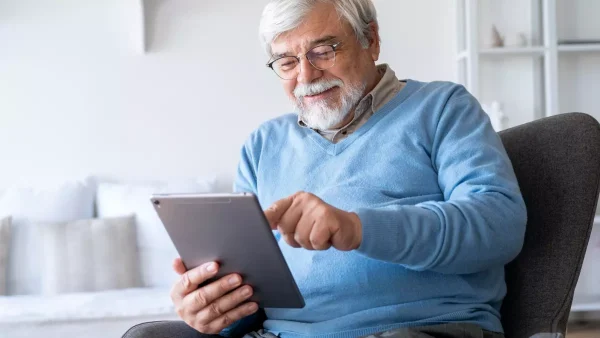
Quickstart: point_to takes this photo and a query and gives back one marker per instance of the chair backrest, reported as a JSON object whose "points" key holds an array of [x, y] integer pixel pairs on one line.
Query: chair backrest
{"points": [[557, 163]]}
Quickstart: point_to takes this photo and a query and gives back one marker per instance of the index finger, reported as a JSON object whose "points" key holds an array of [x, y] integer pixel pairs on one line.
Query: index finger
{"points": [[191, 279], [277, 209]]}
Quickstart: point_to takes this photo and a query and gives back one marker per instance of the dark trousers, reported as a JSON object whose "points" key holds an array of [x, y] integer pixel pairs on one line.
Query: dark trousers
{"points": [[178, 329]]}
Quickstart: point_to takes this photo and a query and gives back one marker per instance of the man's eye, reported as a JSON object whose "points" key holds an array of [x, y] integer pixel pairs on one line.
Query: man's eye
{"points": [[322, 55], [287, 65]]}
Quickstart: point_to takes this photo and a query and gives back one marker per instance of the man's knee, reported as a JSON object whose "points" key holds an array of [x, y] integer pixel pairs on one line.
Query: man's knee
{"points": [[162, 329]]}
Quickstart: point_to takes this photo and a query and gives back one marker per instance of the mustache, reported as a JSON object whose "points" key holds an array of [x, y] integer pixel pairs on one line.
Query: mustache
{"points": [[309, 89]]}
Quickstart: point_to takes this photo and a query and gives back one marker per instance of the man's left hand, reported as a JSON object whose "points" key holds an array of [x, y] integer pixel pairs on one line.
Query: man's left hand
{"points": [[304, 220]]}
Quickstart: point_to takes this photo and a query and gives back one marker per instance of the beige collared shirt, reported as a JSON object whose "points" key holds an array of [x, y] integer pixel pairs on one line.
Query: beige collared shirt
{"points": [[388, 87]]}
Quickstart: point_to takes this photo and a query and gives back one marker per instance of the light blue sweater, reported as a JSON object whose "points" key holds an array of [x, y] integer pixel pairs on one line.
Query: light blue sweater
{"points": [[440, 205]]}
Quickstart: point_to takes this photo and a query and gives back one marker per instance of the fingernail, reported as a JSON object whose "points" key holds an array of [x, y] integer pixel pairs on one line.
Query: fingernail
{"points": [[233, 280], [252, 307], [212, 267], [246, 291]]}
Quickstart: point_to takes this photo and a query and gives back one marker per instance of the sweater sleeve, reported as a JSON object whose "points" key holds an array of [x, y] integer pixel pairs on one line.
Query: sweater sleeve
{"points": [[481, 222], [245, 179]]}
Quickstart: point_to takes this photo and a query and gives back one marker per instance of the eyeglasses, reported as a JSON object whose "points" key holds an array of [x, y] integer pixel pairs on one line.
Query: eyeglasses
{"points": [[321, 57]]}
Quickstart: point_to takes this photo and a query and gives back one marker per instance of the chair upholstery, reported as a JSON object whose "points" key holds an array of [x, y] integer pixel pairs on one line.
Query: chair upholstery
{"points": [[557, 163]]}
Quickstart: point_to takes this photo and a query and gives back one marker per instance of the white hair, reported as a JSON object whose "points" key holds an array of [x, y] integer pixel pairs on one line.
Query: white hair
{"points": [[280, 16]]}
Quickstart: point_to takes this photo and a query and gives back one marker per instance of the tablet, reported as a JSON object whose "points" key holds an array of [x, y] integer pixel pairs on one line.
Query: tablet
{"points": [[230, 229]]}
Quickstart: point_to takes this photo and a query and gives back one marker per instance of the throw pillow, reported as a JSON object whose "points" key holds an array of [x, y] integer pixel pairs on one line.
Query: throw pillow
{"points": [[4, 245], [156, 249], [28, 205], [89, 255]]}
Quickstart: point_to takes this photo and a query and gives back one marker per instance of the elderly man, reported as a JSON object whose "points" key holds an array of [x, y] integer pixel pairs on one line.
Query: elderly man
{"points": [[395, 203]]}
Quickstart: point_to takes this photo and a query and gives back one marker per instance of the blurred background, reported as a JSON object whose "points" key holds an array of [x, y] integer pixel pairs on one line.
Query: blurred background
{"points": [[105, 102]]}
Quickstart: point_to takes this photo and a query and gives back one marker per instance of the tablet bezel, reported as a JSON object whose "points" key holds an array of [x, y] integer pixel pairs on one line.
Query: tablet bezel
{"points": [[270, 278]]}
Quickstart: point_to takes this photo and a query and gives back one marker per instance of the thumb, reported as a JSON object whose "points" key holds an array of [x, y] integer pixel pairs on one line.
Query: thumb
{"points": [[178, 266]]}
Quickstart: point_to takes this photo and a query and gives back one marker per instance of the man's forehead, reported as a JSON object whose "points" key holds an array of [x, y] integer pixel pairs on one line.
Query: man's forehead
{"points": [[321, 23]]}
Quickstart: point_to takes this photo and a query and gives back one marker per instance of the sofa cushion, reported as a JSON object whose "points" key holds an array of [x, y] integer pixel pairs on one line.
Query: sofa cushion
{"points": [[155, 247], [89, 255], [4, 245], [85, 306], [62, 202]]}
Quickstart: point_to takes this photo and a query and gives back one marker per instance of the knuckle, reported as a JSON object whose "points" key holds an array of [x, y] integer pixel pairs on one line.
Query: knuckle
{"points": [[201, 297], [214, 308], [226, 320], [290, 240], [185, 281], [302, 240], [180, 311], [302, 196], [324, 211], [316, 242], [201, 327], [211, 329]]}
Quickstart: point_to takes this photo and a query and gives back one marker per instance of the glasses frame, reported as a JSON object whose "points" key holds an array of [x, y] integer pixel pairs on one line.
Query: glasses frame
{"points": [[298, 57]]}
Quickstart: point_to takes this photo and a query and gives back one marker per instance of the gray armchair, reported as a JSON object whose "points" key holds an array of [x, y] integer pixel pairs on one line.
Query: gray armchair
{"points": [[557, 162]]}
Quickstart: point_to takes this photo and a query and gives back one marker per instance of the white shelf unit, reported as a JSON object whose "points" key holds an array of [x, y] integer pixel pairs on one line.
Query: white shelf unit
{"points": [[544, 77], [557, 71]]}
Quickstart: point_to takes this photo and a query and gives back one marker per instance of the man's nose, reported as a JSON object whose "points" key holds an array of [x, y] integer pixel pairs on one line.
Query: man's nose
{"points": [[308, 73]]}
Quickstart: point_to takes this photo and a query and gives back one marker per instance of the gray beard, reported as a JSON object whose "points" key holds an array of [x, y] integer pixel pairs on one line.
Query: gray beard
{"points": [[321, 116]]}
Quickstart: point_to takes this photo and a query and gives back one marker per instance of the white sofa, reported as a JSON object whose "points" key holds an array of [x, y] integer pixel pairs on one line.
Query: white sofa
{"points": [[30, 308]]}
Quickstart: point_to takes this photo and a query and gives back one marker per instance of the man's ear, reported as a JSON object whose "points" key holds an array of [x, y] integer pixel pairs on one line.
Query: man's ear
{"points": [[374, 41]]}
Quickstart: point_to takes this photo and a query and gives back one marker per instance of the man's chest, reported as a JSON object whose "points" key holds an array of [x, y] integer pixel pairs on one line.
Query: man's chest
{"points": [[366, 174]]}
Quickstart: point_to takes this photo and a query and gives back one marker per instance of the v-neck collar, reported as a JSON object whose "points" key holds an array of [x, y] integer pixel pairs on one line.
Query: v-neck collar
{"points": [[334, 149]]}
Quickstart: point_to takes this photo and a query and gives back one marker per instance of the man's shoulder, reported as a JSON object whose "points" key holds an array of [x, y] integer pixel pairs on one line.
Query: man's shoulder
{"points": [[439, 87], [281, 122], [273, 129], [440, 99]]}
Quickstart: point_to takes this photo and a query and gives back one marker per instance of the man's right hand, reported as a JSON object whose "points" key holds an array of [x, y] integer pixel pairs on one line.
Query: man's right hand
{"points": [[215, 306]]}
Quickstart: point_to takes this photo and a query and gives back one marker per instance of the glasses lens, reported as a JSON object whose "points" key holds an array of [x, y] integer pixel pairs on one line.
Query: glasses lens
{"points": [[322, 57], [286, 67]]}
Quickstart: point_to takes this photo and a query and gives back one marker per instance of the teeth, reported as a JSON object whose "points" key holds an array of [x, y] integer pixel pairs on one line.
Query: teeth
{"points": [[313, 94]]}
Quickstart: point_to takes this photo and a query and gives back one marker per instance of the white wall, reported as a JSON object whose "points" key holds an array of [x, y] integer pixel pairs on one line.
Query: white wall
{"points": [[77, 97]]}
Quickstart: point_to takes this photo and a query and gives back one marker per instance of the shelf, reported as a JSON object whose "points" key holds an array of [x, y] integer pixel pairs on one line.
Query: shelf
{"points": [[586, 303], [534, 51], [586, 47]]}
